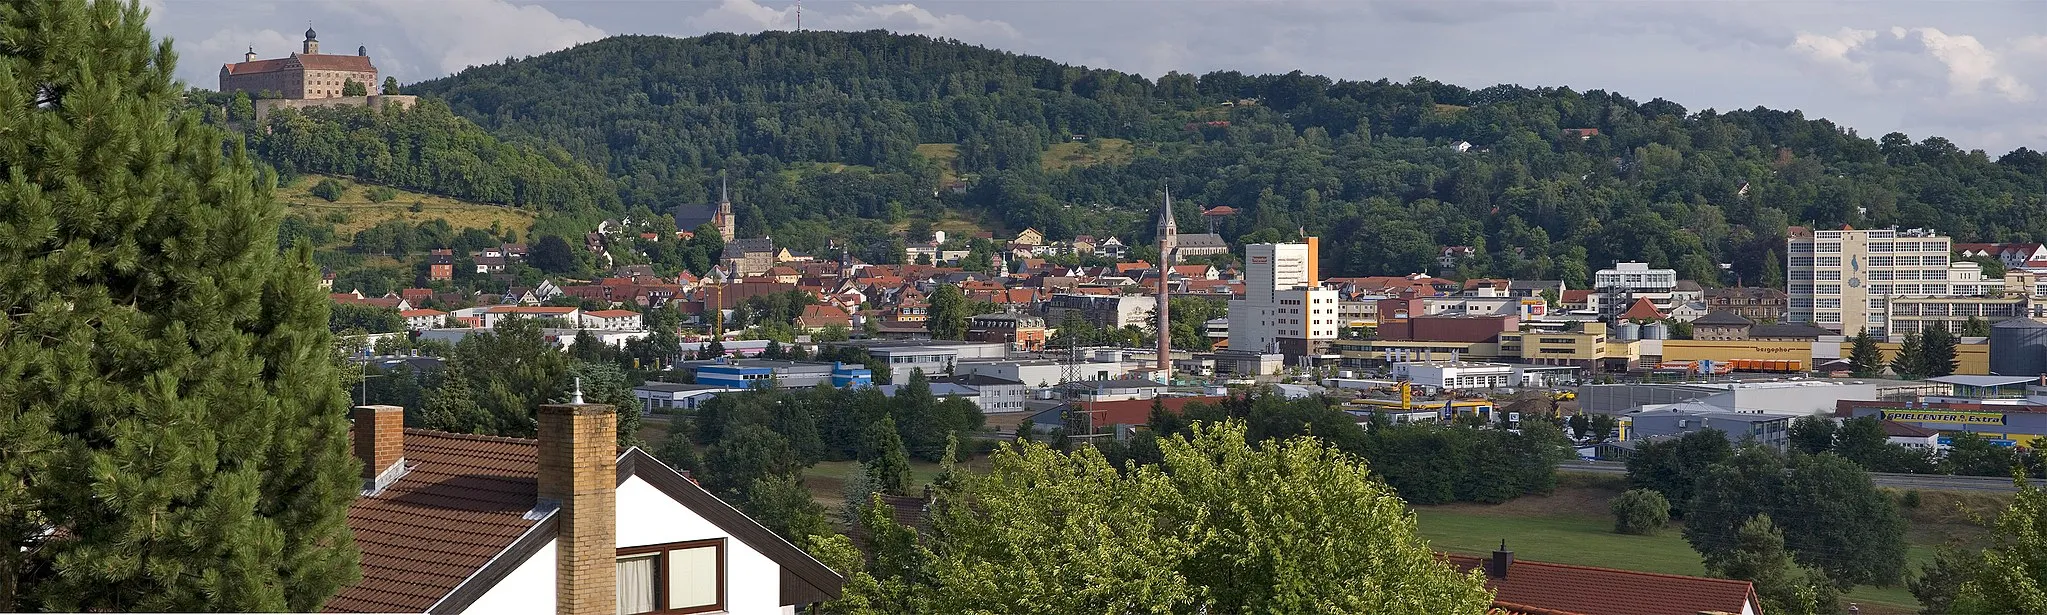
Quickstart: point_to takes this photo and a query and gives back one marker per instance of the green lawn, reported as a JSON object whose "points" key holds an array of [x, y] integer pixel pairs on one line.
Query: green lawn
{"points": [[1590, 541]]}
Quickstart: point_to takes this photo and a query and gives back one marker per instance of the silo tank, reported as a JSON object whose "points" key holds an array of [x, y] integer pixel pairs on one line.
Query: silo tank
{"points": [[1656, 331], [2018, 347], [1630, 331]]}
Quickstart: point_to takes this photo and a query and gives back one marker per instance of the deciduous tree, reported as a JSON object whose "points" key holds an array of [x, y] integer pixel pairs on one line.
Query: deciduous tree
{"points": [[1639, 511], [1220, 526], [1673, 467], [1759, 557], [947, 318], [1835, 518], [2011, 575]]}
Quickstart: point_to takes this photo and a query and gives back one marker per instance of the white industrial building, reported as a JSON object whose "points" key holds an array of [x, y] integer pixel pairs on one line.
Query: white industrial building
{"points": [[1458, 375]]}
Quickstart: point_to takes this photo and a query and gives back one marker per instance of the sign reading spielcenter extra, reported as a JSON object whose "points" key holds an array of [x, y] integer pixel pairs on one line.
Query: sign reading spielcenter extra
{"points": [[1944, 416]]}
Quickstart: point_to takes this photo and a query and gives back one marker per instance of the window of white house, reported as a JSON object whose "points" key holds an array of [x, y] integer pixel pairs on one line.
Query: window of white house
{"points": [[683, 577]]}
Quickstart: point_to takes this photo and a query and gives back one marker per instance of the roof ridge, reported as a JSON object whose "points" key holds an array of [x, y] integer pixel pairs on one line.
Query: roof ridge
{"points": [[1666, 575], [469, 436]]}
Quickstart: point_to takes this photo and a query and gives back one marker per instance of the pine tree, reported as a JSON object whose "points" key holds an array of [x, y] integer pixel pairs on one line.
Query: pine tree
{"points": [[390, 85], [1937, 351], [1910, 362], [1865, 360], [884, 459], [167, 397], [351, 87]]}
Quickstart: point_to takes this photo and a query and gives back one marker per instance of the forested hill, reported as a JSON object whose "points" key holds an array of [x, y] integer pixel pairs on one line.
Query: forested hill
{"points": [[428, 149], [818, 128]]}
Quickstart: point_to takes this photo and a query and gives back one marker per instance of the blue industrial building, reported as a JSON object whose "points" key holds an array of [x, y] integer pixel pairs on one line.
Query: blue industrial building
{"points": [[784, 374]]}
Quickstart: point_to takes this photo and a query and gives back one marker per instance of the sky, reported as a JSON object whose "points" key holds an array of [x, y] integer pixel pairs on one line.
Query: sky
{"points": [[1973, 71]]}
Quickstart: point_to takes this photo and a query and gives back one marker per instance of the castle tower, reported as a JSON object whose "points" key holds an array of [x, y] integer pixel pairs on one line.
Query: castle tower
{"points": [[312, 45], [726, 225], [1168, 245], [251, 56]]}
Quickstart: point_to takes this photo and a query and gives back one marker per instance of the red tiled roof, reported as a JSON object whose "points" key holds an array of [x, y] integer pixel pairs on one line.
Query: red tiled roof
{"points": [[1136, 411], [823, 316], [1575, 296], [463, 502], [1643, 310], [1537, 587], [317, 61], [611, 313], [418, 313]]}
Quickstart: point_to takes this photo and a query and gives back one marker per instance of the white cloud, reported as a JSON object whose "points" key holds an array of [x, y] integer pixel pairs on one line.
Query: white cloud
{"points": [[744, 16], [456, 34], [1970, 66], [1919, 62], [1831, 52], [752, 16], [911, 18], [155, 8], [228, 45]]}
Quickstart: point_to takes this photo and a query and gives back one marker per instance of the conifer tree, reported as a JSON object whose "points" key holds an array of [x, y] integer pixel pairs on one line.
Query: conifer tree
{"points": [[884, 459], [1910, 362], [1937, 351], [1865, 360], [173, 434]]}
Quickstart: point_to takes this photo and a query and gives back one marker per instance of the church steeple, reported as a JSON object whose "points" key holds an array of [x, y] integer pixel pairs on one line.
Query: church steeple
{"points": [[1168, 244], [1168, 230], [726, 225]]}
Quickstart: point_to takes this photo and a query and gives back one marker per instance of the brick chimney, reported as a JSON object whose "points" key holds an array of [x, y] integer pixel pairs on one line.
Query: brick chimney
{"points": [[1502, 560], [578, 473], [380, 444]]}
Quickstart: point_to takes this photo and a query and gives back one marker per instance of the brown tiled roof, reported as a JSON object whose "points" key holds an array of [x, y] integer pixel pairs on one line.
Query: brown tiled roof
{"points": [[463, 502], [317, 61], [1545, 587], [1903, 430]]}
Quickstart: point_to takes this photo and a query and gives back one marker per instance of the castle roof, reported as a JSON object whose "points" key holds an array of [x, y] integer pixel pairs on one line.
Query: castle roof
{"points": [[307, 61]]}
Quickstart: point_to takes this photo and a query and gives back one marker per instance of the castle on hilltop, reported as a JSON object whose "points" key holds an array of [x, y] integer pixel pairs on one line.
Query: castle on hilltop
{"points": [[307, 74]]}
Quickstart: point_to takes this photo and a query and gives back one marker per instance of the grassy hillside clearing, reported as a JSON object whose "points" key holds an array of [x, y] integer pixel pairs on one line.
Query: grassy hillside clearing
{"points": [[361, 213]]}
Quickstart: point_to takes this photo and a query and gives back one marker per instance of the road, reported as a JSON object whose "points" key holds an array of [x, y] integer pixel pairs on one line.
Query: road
{"points": [[1929, 482]]}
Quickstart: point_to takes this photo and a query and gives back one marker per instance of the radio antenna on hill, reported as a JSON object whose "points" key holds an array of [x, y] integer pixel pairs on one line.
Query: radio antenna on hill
{"points": [[799, 15]]}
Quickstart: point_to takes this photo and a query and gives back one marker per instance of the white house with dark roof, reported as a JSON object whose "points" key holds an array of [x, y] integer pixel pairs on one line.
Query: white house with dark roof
{"points": [[451, 523]]}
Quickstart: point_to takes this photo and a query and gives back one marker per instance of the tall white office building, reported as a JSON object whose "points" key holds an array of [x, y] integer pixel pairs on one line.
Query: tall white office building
{"points": [[1284, 310], [1844, 279]]}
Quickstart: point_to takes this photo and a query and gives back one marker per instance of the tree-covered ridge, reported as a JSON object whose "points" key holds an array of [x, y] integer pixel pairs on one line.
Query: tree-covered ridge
{"points": [[428, 149], [1555, 182]]}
